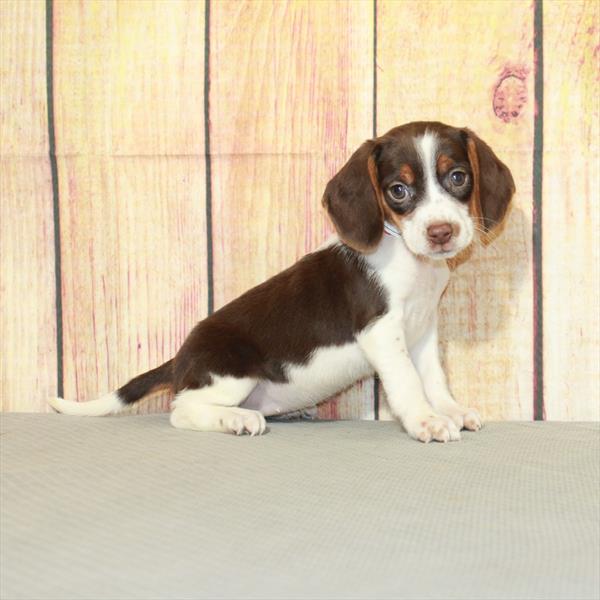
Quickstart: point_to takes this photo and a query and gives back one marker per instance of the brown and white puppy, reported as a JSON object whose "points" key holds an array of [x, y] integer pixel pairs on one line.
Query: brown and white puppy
{"points": [[366, 302]]}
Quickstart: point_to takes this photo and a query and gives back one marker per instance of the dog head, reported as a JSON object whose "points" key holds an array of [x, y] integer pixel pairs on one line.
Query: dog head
{"points": [[438, 185]]}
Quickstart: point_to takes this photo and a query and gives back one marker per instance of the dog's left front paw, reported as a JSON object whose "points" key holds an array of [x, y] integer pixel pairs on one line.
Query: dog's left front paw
{"points": [[472, 420], [464, 418]]}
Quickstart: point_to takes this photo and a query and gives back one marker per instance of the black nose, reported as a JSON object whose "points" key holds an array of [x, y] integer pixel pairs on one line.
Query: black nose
{"points": [[439, 233]]}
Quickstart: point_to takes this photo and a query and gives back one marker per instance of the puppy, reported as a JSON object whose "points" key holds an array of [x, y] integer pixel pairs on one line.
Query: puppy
{"points": [[366, 302]]}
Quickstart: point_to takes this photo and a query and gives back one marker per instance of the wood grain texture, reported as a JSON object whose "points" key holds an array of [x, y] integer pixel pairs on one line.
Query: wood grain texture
{"points": [[452, 76], [27, 291], [571, 176], [129, 107], [291, 98]]}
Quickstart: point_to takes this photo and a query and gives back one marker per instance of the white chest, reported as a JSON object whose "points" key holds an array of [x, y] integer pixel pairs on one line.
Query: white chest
{"points": [[413, 286], [419, 308]]}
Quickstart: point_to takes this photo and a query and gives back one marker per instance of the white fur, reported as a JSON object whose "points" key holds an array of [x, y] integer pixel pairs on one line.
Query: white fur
{"points": [[328, 371], [414, 285], [438, 206], [425, 356], [224, 391], [214, 407], [106, 405], [226, 419], [401, 346]]}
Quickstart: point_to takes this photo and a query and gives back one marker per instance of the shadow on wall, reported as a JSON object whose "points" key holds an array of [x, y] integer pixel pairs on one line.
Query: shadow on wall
{"points": [[493, 272]]}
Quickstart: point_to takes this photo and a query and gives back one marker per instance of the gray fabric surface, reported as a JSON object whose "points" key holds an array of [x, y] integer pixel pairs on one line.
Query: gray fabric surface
{"points": [[132, 508]]}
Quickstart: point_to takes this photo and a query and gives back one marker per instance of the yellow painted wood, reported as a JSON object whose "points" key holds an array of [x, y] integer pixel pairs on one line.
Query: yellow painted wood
{"points": [[450, 75], [354, 403], [291, 98], [129, 105], [571, 247], [27, 292]]}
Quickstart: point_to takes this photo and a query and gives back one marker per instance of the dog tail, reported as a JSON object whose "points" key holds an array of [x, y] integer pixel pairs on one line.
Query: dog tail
{"points": [[114, 402]]}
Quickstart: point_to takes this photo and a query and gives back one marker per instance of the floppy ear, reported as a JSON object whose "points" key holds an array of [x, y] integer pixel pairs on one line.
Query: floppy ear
{"points": [[351, 200], [493, 186]]}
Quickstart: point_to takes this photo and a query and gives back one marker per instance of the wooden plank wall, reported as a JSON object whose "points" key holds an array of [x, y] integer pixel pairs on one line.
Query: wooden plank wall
{"points": [[131, 185], [146, 233], [571, 257], [28, 360]]}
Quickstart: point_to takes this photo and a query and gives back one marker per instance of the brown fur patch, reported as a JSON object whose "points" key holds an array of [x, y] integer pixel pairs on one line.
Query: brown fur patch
{"points": [[475, 201], [351, 200], [493, 188], [388, 214], [460, 258], [444, 164], [407, 175], [152, 381], [324, 299]]}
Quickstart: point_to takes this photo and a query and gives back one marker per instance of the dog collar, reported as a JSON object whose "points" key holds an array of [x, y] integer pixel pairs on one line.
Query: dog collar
{"points": [[391, 230]]}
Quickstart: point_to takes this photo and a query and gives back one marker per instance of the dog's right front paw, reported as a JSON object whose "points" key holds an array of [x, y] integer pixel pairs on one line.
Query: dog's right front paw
{"points": [[432, 427]]}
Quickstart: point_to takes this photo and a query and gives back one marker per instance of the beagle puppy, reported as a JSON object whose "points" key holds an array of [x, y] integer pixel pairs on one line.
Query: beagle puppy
{"points": [[364, 303]]}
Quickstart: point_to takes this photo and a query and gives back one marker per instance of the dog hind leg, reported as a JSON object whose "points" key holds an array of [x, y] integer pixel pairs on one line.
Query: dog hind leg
{"points": [[215, 407]]}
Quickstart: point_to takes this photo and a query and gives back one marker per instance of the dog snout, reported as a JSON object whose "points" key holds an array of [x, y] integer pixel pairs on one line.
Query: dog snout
{"points": [[440, 233]]}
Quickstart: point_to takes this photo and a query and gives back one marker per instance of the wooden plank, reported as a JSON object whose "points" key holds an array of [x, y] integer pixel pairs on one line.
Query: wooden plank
{"points": [[354, 403], [129, 108], [571, 180], [486, 313], [28, 372], [291, 98]]}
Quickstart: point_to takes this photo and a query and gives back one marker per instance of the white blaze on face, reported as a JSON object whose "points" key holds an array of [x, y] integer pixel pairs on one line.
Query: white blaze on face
{"points": [[437, 206], [427, 146]]}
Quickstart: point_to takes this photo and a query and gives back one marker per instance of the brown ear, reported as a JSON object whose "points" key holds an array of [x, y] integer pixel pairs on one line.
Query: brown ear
{"points": [[493, 186], [351, 200]]}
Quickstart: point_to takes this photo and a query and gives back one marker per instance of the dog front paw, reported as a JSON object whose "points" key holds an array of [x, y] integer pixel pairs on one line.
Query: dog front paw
{"points": [[432, 427], [472, 420], [463, 418]]}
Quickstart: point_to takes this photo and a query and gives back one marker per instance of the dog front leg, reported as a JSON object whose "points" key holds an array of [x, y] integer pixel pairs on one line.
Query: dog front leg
{"points": [[384, 345], [426, 359]]}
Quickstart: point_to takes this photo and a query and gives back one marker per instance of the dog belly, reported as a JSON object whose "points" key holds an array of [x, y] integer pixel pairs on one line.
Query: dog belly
{"points": [[329, 370]]}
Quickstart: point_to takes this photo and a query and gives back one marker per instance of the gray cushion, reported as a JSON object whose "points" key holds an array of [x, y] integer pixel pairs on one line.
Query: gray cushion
{"points": [[132, 508]]}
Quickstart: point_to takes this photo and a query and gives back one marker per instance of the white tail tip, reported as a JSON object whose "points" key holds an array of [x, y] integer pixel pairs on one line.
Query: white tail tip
{"points": [[106, 405]]}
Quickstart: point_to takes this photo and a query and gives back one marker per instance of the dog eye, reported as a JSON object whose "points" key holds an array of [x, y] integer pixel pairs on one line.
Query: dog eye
{"points": [[398, 191], [458, 178]]}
